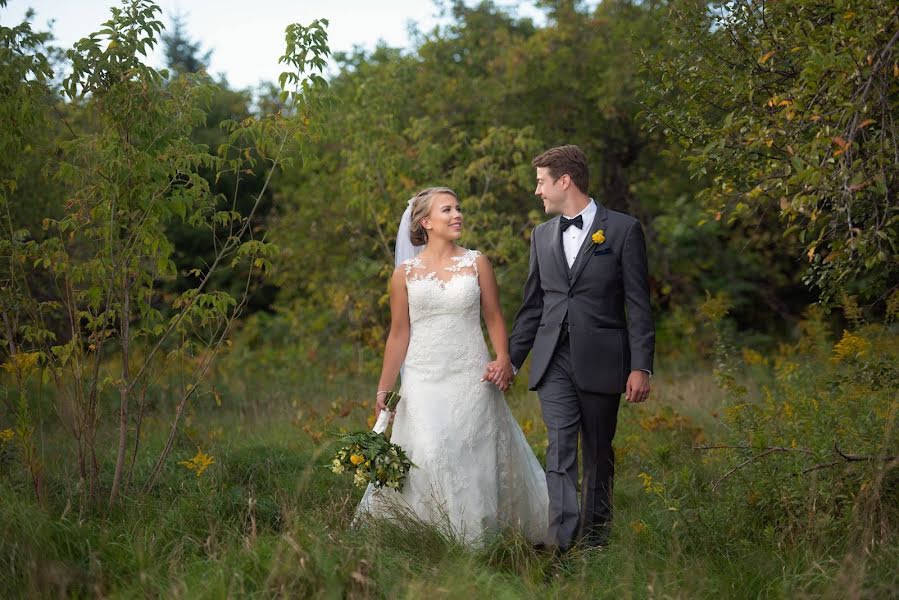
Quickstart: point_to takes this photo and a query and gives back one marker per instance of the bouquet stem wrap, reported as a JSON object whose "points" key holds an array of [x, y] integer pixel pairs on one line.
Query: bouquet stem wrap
{"points": [[384, 418]]}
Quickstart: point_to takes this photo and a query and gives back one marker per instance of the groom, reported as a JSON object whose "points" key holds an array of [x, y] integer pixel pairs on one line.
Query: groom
{"points": [[586, 315]]}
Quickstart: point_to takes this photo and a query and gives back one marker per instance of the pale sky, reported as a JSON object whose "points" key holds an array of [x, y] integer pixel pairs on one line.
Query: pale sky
{"points": [[247, 37]]}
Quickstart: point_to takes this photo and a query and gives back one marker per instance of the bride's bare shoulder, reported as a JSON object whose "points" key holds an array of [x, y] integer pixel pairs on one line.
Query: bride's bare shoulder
{"points": [[399, 273]]}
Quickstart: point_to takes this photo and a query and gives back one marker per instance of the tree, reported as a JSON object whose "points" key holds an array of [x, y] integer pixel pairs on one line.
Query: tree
{"points": [[469, 107], [181, 54], [788, 108], [26, 104], [127, 179]]}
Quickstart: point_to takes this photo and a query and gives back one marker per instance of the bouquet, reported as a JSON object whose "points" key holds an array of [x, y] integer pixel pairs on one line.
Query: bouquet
{"points": [[371, 457]]}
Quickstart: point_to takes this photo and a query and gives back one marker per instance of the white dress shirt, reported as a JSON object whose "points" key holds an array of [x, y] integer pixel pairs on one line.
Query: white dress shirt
{"points": [[573, 238]]}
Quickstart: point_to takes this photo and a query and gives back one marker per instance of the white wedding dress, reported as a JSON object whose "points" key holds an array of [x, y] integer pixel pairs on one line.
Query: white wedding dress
{"points": [[474, 471]]}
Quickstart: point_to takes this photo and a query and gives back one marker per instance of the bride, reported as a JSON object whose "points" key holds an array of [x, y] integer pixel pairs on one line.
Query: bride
{"points": [[474, 471]]}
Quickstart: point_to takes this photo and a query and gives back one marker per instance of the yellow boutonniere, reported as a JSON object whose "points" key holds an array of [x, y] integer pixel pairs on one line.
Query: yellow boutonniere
{"points": [[599, 237]]}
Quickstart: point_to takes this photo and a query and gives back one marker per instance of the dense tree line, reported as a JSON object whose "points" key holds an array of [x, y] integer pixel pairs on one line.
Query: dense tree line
{"points": [[762, 168]]}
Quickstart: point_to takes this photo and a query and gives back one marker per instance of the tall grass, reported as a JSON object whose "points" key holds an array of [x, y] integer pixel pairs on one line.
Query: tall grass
{"points": [[267, 519]]}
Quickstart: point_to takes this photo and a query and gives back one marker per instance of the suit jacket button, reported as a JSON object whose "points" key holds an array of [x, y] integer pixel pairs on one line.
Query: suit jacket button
{"points": [[571, 294]]}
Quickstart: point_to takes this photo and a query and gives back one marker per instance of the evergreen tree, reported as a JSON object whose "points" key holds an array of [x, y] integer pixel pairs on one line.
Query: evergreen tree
{"points": [[181, 54]]}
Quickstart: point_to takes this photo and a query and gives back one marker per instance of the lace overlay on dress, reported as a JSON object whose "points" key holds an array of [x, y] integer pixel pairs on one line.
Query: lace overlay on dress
{"points": [[465, 264], [474, 470]]}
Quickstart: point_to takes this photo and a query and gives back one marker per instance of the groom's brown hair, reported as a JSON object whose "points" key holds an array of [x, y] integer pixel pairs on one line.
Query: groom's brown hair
{"points": [[568, 159]]}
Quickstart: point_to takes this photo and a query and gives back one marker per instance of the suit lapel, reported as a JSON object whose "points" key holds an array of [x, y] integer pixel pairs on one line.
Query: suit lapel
{"points": [[584, 254], [556, 245]]}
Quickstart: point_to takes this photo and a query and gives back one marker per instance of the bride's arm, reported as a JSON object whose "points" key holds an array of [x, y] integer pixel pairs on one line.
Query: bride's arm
{"points": [[397, 339], [496, 324]]}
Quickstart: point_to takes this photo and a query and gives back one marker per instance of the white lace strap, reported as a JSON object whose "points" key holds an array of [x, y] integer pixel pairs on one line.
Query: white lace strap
{"points": [[473, 258], [469, 260], [409, 264]]}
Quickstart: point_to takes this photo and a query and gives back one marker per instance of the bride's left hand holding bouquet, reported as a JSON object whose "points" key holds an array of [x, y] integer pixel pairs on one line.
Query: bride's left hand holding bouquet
{"points": [[371, 457]]}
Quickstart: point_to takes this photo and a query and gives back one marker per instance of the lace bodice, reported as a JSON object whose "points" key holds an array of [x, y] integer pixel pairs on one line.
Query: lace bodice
{"points": [[445, 315], [453, 289]]}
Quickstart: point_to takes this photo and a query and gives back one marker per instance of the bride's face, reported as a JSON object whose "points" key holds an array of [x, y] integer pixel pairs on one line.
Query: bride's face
{"points": [[445, 219]]}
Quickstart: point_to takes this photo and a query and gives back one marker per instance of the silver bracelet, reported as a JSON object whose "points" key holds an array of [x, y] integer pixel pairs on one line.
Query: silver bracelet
{"points": [[382, 392]]}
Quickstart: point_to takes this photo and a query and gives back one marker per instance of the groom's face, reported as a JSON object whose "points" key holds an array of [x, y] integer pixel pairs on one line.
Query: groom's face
{"points": [[550, 190]]}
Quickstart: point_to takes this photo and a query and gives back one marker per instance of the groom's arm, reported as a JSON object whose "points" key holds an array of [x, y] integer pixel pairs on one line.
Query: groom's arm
{"points": [[528, 318], [635, 273]]}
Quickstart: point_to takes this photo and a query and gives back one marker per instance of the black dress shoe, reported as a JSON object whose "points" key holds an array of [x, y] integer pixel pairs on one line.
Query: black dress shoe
{"points": [[548, 550], [596, 539]]}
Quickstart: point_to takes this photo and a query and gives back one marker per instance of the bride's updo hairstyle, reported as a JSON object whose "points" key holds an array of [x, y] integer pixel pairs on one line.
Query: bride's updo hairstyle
{"points": [[421, 208]]}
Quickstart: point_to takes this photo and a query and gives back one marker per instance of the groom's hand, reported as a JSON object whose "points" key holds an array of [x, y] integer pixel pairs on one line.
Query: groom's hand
{"points": [[637, 386]]}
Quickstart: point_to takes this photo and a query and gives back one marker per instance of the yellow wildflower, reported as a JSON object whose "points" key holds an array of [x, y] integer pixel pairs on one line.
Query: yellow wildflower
{"points": [[715, 308], [599, 237], [649, 486], [663, 420], [732, 413], [6, 435], [892, 307], [751, 357], [357, 459], [788, 410], [850, 346], [786, 369], [198, 463], [22, 362], [638, 527]]}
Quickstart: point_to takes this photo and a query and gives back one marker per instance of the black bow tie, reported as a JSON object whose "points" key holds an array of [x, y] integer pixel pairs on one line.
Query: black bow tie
{"points": [[578, 222]]}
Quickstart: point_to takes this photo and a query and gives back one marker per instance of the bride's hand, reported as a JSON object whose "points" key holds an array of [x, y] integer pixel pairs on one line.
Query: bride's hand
{"points": [[499, 373], [491, 373], [380, 404]]}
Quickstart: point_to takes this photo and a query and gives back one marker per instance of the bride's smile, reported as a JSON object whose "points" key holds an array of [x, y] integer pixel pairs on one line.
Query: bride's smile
{"points": [[444, 221]]}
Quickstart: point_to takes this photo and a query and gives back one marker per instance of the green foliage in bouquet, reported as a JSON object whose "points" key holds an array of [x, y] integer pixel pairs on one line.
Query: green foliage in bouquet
{"points": [[372, 459]]}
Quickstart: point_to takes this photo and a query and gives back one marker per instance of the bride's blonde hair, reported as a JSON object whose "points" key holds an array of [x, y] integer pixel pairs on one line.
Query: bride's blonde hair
{"points": [[421, 208]]}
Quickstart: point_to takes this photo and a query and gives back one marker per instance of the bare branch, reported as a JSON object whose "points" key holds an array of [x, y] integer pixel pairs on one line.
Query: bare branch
{"points": [[743, 464]]}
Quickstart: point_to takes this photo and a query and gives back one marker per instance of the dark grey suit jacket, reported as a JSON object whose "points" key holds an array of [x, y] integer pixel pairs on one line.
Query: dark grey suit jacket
{"points": [[605, 296]]}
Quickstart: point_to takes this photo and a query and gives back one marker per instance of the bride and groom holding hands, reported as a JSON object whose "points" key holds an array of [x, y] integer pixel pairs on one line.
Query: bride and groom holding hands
{"points": [[586, 320]]}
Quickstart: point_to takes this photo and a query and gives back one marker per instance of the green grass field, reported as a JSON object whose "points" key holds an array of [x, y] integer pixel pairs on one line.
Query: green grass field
{"points": [[268, 519]]}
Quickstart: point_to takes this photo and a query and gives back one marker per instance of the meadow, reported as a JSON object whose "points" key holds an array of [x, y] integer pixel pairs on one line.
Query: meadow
{"points": [[261, 515]]}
